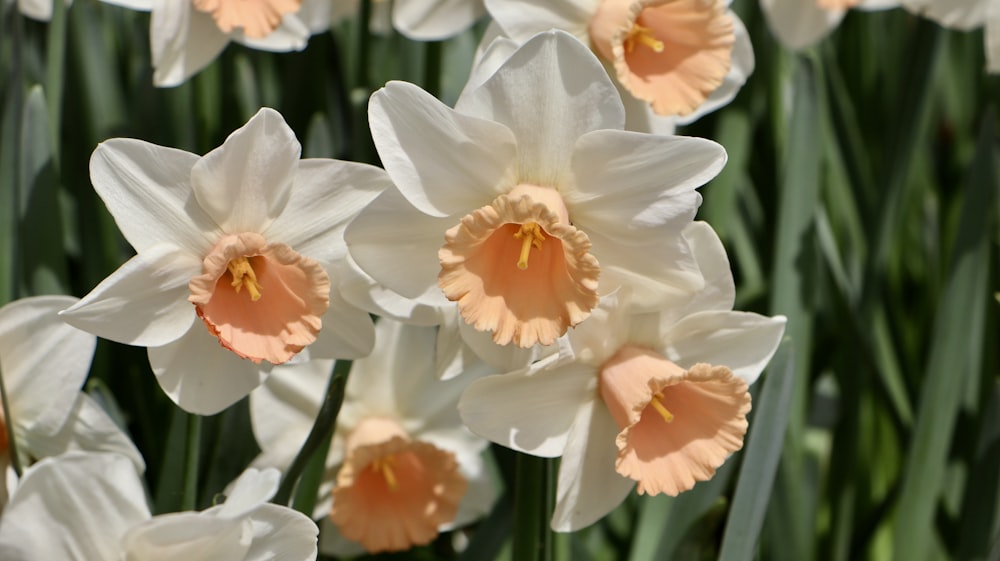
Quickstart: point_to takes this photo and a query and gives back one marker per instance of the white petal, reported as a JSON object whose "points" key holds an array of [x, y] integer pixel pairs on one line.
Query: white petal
{"points": [[742, 66], [88, 428], [75, 507], [570, 95], [991, 37], [872, 5], [284, 408], [325, 196], [598, 338], [742, 341], [589, 487], [140, 5], [719, 289], [530, 410], [433, 21], [317, 15], [147, 188], [253, 488], [363, 291], [245, 183], [190, 536], [522, 19], [183, 40], [963, 15], [144, 302], [281, 534], [442, 161], [40, 10], [403, 256], [200, 375], [347, 331], [492, 51], [500, 358], [797, 23], [44, 361]]}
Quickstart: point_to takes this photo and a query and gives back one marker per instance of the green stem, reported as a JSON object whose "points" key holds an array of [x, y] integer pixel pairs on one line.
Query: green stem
{"points": [[15, 462], [54, 66], [189, 499], [533, 498], [320, 433], [433, 53]]}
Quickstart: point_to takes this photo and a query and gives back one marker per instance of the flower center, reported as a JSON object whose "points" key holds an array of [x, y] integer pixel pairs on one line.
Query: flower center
{"points": [[274, 328], [243, 276], [677, 426], [257, 18], [530, 235], [644, 36], [393, 492], [520, 304], [670, 53]]}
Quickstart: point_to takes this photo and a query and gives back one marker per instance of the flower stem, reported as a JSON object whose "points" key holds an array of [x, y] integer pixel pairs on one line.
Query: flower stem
{"points": [[15, 462], [189, 497], [54, 67], [533, 502], [320, 433]]}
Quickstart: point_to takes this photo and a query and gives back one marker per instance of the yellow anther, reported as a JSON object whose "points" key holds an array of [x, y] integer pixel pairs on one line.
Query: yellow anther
{"points": [[643, 35], [530, 234], [383, 466], [655, 402], [243, 276]]}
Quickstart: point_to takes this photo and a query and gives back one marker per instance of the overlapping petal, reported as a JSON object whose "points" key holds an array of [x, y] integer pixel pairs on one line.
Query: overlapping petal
{"points": [[425, 20]]}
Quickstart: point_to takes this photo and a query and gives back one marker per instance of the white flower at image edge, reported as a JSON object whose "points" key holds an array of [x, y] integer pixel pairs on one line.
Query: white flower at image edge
{"points": [[44, 363], [401, 466], [186, 35], [92, 507], [434, 20], [655, 399], [799, 24], [40, 10], [235, 265]]}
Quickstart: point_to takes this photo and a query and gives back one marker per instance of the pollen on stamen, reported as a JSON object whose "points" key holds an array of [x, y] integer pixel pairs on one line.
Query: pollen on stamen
{"points": [[244, 276], [660, 408], [530, 235], [645, 36]]}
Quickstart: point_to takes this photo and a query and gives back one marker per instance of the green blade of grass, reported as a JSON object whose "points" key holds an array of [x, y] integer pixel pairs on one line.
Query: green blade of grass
{"points": [[958, 326]]}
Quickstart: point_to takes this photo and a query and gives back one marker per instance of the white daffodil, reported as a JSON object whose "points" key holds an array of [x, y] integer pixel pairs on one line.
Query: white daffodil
{"points": [[801, 23], [401, 466], [674, 60], [186, 35], [965, 15], [40, 10], [536, 190], [245, 239], [44, 362], [92, 507], [659, 399]]}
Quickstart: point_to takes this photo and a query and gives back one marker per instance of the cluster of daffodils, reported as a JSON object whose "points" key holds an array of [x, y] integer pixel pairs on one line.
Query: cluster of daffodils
{"points": [[531, 254]]}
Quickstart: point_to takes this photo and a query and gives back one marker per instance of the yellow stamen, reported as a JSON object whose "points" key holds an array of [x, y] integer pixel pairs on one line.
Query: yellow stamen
{"points": [[383, 466], [655, 402], [643, 35], [243, 276], [530, 234]]}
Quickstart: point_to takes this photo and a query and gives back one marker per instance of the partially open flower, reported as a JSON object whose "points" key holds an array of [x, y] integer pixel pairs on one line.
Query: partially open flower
{"points": [[279, 312], [518, 268], [257, 18], [670, 53], [392, 492], [677, 426]]}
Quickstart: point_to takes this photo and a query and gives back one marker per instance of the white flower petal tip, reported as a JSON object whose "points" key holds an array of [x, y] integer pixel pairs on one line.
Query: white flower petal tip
{"points": [[518, 268], [394, 493], [677, 426], [256, 18], [263, 301], [671, 54]]}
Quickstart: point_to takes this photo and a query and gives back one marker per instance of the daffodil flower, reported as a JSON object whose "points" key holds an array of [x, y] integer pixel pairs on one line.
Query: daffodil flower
{"points": [[186, 35], [44, 363], [236, 259], [966, 15], [542, 200], [401, 466], [92, 507], [675, 60], [801, 23], [657, 400]]}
